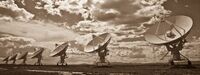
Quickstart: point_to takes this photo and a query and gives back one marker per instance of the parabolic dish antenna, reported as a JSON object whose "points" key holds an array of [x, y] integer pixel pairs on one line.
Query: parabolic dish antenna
{"points": [[6, 59], [59, 50], [178, 26], [37, 53], [13, 57], [98, 42], [22, 56]]}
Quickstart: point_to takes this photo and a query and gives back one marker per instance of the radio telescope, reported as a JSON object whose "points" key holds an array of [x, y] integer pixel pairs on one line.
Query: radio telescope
{"points": [[6, 59], [171, 32], [61, 52], [13, 58], [99, 45], [23, 56], [38, 54]]}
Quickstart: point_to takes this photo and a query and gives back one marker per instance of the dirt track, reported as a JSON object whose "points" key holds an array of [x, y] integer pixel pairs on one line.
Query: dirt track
{"points": [[122, 69]]}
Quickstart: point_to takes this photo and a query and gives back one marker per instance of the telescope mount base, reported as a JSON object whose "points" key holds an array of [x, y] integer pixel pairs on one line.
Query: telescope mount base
{"points": [[102, 64]]}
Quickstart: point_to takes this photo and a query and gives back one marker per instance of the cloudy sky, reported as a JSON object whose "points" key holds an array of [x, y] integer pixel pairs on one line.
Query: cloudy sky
{"points": [[25, 24]]}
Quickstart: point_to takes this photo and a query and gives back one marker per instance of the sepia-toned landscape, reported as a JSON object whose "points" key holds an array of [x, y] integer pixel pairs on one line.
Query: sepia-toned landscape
{"points": [[28, 25]]}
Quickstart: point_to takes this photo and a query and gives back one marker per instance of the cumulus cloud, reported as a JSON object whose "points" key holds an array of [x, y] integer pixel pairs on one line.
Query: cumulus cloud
{"points": [[12, 44], [97, 26], [55, 7], [110, 16], [113, 12], [131, 12], [21, 13], [154, 10], [152, 2], [11, 38], [37, 30], [127, 20]]}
